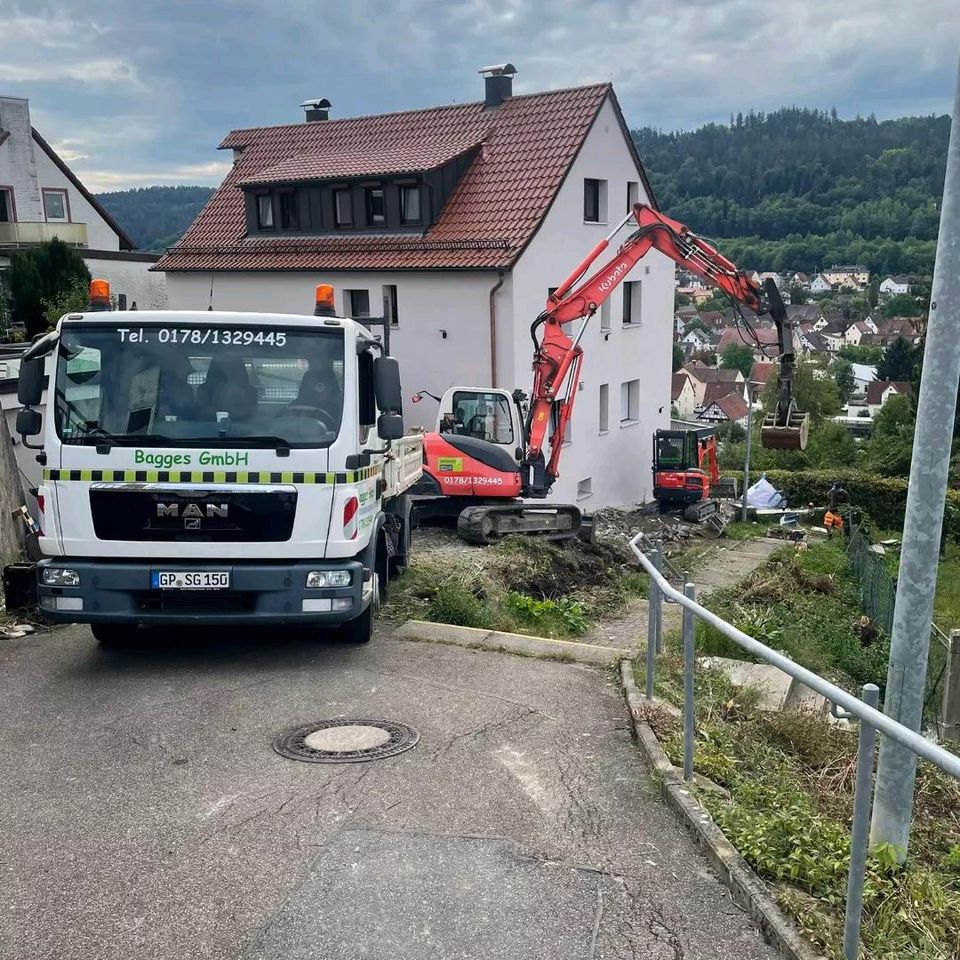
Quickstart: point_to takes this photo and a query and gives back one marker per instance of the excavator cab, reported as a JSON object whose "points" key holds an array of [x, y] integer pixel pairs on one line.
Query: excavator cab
{"points": [[786, 428]]}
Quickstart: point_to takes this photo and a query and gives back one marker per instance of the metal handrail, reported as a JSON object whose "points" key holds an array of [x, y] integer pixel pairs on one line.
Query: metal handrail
{"points": [[871, 719], [946, 761]]}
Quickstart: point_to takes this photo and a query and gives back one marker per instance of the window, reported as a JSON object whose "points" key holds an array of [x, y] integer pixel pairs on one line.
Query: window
{"points": [[342, 208], [390, 304], [357, 303], [376, 211], [595, 201], [633, 194], [629, 402], [410, 204], [289, 212], [7, 211], [486, 416], [585, 488], [604, 407], [632, 290], [55, 205], [265, 211], [605, 314]]}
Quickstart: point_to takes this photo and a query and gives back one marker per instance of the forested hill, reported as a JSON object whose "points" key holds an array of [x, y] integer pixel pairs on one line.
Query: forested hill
{"points": [[802, 189], [155, 217]]}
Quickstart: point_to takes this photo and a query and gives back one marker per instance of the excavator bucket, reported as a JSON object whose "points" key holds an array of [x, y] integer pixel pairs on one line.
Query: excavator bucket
{"points": [[790, 436]]}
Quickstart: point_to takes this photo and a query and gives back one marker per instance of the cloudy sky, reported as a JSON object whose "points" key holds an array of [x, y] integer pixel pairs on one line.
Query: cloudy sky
{"points": [[136, 92]]}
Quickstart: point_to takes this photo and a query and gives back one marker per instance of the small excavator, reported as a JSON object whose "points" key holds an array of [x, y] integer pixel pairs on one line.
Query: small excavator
{"points": [[685, 472], [483, 480]]}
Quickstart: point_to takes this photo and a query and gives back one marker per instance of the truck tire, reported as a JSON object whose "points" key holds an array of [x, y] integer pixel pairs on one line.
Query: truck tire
{"points": [[360, 630], [112, 634]]}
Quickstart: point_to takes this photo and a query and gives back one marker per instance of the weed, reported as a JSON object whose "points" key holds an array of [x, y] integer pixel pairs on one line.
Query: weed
{"points": [[563, 615]]}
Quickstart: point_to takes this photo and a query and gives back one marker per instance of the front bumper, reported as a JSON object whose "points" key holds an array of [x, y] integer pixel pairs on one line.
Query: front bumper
{"points": [[120, 592]]}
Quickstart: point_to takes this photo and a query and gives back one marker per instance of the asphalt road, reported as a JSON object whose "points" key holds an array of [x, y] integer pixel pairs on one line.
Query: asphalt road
{"points": [[144, 814]]}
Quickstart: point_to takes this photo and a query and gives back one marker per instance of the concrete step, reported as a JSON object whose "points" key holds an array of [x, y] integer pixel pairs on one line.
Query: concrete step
{"points": [[772, 684]]}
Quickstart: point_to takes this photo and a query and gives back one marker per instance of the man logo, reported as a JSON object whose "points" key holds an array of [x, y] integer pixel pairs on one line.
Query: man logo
{"points": [[192, 511]]}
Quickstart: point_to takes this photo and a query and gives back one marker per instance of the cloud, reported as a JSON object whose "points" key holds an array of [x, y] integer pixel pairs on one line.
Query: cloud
{"points": [[99, 181], [109, 71]]}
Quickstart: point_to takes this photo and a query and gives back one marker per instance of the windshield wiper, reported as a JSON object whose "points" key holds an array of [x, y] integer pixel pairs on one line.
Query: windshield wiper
{"points": [[282, 446]]}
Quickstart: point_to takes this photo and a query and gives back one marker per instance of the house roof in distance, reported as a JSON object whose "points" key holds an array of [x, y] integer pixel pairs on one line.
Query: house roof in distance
{"points": [[734, 407], [878, 388], [679, 381], [718, 389], [524, 149], [761, 372]]}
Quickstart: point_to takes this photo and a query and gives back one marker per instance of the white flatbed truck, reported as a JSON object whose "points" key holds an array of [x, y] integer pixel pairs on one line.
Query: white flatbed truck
{"points": [[218, 468]]}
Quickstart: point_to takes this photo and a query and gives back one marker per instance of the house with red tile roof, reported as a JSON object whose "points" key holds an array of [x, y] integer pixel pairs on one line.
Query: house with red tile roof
{"points": [[730, 407], [454, 222], [682, 395], [879, 391]]}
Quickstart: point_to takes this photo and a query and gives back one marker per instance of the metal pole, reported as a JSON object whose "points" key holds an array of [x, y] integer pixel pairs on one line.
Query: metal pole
{"points": [[658, 563], [866, 750], [951, 690], [746, 462], [689, 665], [910, 640], [654, 595]]}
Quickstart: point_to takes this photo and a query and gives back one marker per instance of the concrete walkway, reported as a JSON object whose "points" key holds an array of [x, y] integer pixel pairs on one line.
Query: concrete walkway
{"points": [[728, 562], [145, 814]]}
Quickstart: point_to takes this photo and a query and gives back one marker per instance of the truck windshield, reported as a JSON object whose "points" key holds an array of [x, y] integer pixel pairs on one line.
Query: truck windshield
{"points": [[199, 385]]}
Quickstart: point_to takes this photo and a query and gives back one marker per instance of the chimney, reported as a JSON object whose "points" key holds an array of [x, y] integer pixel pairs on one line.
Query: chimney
{"points": [[498, 84], [316, 109]]}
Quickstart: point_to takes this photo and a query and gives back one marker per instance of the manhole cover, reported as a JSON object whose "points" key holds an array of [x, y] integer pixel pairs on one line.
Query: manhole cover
{"points": [[346, 740]]}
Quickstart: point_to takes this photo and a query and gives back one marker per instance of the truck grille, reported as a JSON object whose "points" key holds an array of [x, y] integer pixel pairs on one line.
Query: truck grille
{"points": [[196, 601], [192, 516]]}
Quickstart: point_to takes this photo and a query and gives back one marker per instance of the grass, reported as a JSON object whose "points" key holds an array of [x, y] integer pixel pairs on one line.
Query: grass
{"points": [[522, 585], [788, 806]]}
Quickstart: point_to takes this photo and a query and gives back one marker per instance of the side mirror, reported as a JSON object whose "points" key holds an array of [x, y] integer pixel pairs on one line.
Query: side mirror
{"points": [[29, 422], [30, 387], [390, 426], [386, 385]]}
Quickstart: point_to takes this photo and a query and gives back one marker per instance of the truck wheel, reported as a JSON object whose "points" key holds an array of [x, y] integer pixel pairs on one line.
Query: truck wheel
{"points": [[111, 634], [360, 630]]}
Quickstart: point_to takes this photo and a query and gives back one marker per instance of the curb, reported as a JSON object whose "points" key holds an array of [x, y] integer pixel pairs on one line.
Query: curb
{"points": [[515, 643], [748, 890]]}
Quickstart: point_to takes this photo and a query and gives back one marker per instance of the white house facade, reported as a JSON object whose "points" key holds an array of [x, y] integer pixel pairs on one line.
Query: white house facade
{"points": [[463, 288], [41, 198], [820, 284], [894, 285]]}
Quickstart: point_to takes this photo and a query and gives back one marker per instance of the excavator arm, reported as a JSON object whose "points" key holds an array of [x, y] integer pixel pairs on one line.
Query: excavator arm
{"points": [[558, 357]]}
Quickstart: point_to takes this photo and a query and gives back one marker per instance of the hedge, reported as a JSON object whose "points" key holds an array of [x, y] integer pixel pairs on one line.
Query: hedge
{"points": [[883, 498]]}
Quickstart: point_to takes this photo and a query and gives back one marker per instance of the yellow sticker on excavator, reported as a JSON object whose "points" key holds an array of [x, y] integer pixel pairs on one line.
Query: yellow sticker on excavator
{"points": [[450, 464]]}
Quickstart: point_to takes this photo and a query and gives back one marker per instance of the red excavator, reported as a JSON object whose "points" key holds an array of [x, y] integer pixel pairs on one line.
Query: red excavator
{"points": [[685, 471], [470, 473]]}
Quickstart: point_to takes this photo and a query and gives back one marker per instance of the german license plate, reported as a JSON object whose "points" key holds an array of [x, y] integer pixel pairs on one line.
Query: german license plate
{"points": [[190, 579]]}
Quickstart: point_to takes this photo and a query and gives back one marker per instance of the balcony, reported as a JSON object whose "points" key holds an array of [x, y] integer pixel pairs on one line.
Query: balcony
{"points": [[26, 234]]}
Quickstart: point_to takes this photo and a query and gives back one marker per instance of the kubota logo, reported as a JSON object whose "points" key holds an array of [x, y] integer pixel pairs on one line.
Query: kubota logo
{"points": [[611, 278]]}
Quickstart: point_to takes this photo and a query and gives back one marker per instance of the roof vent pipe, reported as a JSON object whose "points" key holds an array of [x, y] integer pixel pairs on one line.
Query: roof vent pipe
{"points": [[316, 109], [498, 84]]}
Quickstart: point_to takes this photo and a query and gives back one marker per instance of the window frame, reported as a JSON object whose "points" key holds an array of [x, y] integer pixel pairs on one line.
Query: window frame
{"points": [[391, 310], [603, 401], [283, 196], [66, 218], [261, 224], [368, 197], [633, 194], [629, 286], [406, 189], [339, 222], [591, 192], [631, 414], [348, 296], [11, 203]]}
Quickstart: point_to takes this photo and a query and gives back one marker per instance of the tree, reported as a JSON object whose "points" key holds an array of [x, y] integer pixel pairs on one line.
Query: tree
{"points": [[42, 274], [842, 372], [816, 395], [737, 356], [718, 301], [680, 299], [901, 305], [74, 299], [864, 353], [797, 294], [899, 361], [678, 357], [891, 446]]}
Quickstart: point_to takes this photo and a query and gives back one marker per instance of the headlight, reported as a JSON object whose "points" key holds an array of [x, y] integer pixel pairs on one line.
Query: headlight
{"points": [[60, 577], [328, 578]]}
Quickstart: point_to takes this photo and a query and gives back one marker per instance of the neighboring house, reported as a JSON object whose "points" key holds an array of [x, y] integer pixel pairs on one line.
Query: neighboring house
{"points": [[813, 342], [896, 284], [798, 279], [41, 198], [820, 284], [702, 375], [760, 375], [880, 391], [856, 331], [851, 275], [455, 222], [893, 327], [697, 337], [711, 317], [765, 346], [683, 396], [731, 407], [863, 375], [718, 389]]}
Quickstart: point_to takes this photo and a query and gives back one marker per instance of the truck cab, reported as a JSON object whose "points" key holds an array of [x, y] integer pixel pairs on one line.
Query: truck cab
{"points": [[216, 467]]}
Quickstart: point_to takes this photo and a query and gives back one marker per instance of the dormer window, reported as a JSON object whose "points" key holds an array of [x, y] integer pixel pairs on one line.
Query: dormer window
{"points": [[409, 204], [265, 211], [343, 208], [289, 213], [376, 208]]}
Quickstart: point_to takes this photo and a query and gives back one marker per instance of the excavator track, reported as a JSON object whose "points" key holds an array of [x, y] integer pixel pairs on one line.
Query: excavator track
{"points": [[701, 510], [489, 523]]}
